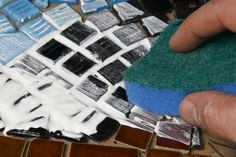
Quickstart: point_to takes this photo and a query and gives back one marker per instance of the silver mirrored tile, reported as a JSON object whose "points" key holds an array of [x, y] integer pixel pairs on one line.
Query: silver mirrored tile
{"points": [[129, 34], [154, 25], [93, 88], [119, 101], [58, 80], [135, 54], [103, 20], [127, 12]]}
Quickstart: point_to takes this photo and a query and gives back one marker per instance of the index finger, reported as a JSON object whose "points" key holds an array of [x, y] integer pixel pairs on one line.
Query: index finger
{"points": [[210, 19]]}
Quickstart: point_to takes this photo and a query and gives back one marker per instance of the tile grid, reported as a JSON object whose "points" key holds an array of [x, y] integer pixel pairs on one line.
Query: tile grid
{"points": [[100, 64]]}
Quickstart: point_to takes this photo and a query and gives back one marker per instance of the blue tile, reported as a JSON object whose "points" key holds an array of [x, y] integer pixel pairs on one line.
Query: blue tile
{"points": [[71, 2], [21, 10], [4, 2], [13, 44], [6, 26], [37, 28], [89, 6], [61, 15], [111, 2], [41, 3]]}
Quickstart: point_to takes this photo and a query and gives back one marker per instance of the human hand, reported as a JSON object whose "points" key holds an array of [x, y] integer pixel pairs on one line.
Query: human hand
{"points": [[212, 18], [213, 111], [210, 110]]}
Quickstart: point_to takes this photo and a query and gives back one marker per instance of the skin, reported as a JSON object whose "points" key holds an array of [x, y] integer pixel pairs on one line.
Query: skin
{"points": [[211, 110]]}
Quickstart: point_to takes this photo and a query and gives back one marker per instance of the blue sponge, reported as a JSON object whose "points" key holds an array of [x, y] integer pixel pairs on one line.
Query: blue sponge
{"points": [[161, 80]]}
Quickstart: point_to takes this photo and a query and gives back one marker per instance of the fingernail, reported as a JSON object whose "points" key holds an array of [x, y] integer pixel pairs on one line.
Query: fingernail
{"points": [[188, 112]]}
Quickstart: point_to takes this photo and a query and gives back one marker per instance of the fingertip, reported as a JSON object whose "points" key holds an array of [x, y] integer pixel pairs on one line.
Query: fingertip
{"points": [[188, 112], [177, 43], [174, 45]]}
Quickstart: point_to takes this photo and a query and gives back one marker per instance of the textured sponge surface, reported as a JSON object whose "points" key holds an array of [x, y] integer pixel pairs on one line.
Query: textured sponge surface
{"points": [[170, 76]]}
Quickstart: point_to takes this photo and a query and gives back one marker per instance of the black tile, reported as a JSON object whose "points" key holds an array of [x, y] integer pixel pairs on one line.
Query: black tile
{"points": [[103, 48], [105, 129], [54, 50], [113, 72], [129, 34], [103, 20], [31, 132], [78, 64], [78, 32], [93, 88], [135, 54], [120, 93]]}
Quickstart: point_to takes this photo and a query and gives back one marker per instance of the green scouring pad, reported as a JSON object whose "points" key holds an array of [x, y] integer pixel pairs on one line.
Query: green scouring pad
{"points": [[160, 81]]}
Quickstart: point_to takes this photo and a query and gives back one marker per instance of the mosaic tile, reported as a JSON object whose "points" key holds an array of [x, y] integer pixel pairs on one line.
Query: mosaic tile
{"points": [[120, 93], [31, 132], [93, 88], [10, 147], [134, 137], [127, 11], [148, 119], [85, 150], [103, 48], [15, 43], [41, 3], [135, 54], [71, 2], [78, 64], [173, 135], [196, 142], [32, 64], [103, 20], [37, 28], [119, 101], [20, 11], [4, 2], [129, 34], [54, 50], [113, 72], [61, 15], [111, 2], [162, 153], [78, 33], [39, 148], [154, 25], [6, 26], [58, 80], [88, 6]]}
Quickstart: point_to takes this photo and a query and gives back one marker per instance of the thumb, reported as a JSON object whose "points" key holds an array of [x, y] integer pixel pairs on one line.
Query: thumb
{"points": [[213, 111]]}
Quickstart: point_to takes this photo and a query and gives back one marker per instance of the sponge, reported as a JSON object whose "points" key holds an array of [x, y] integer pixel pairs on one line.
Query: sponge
{"points": [[160, 81]]}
